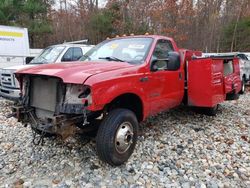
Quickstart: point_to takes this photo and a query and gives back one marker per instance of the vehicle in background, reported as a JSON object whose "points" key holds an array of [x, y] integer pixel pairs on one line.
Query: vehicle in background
{"points": [[244, 65], [8, 61], [123, 81], [244, 70], [67, 52]]}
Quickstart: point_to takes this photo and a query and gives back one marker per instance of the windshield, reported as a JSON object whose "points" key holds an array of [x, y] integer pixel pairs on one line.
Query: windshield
{"points": [[49, 55], [131, 50], [242, 56]]}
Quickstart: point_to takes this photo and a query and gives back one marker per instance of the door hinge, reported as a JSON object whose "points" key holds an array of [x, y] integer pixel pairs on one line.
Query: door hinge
{"points": [[180, 76]]}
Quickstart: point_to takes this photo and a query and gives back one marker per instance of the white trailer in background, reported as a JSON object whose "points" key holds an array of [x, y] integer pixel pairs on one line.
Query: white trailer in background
{"points": [[14, 41], [14, 50], [7, 61], [14, 46]]}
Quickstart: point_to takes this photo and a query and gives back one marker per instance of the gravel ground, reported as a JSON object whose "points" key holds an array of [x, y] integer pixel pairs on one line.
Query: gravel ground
{"points": [[178, 148]]}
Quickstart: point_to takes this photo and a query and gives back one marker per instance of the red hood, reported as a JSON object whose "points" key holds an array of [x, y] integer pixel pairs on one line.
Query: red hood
{"points": [[73, 72]]}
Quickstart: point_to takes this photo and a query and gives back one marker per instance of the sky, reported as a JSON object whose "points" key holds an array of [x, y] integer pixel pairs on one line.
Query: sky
{"points": [[102, 3]]}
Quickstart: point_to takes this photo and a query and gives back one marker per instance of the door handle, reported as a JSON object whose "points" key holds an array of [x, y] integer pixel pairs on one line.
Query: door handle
{"points": [[180, 76], [144, 79]]}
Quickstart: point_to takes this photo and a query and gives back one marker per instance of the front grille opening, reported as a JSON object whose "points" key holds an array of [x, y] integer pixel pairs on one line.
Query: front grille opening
{"points": [[5, 91], [43, 96], [6, 83], [7, 75]]}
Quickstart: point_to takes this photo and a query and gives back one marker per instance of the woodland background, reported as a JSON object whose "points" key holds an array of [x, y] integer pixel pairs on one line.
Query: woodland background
{"points": [[207, 25]]}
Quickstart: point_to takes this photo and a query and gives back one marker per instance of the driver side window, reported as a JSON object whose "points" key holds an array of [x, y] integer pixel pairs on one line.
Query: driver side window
{"points": [[72, 54], [161, 53], [162, 48]]}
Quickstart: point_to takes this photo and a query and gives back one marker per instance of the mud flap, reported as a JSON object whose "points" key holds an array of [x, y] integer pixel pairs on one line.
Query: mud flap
{"points": [[232, 96]]}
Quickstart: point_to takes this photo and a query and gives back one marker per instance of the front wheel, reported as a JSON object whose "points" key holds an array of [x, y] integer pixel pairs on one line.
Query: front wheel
{"points": [[117, 136]]}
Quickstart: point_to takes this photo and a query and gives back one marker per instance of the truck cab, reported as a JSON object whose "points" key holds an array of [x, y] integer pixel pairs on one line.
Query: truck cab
{"points": [[9, 86]]}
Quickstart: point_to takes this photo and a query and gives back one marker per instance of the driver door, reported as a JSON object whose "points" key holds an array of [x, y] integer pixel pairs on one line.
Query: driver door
{"points": [[166, 87]]}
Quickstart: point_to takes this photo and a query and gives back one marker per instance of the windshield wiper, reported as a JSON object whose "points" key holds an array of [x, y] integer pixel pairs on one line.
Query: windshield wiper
{"points": [[111, 58], [37, 63]]}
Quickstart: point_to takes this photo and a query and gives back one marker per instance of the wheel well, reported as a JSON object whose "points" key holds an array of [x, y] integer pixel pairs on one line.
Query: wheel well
{"points": [[129, 101]]}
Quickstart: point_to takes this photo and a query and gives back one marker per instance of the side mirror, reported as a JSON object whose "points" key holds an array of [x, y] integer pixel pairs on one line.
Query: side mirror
{"points": [[159, 64], [28, 60], [174, 62]]}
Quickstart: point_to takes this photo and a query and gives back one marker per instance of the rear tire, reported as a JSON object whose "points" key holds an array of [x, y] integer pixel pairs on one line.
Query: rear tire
{"points": [[211, 111], [117, 136], [243, 87], [232, 96]]}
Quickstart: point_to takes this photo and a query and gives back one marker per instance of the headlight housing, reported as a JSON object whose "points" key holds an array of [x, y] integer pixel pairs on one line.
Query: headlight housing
{"points": [[78, 94]]}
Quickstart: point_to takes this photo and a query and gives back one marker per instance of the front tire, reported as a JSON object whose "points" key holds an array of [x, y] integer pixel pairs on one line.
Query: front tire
{"points": [[117, 136]]}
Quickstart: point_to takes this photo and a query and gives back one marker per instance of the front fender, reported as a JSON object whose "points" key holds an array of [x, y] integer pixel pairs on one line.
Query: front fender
{"points": [[104, 93]]}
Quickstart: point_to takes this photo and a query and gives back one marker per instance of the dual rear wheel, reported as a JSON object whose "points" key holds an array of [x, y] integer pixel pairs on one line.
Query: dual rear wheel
{"points": [[243, 87]]}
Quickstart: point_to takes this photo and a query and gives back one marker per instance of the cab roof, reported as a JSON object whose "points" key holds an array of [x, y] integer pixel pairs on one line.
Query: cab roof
{"points": [[142, 36]]}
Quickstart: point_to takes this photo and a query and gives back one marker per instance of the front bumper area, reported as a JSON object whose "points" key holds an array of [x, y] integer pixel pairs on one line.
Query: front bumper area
{"points": [[60, 125], [12, 94]]}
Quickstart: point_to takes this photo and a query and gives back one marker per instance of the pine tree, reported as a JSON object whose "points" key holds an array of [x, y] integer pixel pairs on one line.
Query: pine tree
{"points": [[10, 11], [36, 19]]}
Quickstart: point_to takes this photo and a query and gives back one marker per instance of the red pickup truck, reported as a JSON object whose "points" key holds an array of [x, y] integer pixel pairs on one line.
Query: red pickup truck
{"points": [[121, 82]]}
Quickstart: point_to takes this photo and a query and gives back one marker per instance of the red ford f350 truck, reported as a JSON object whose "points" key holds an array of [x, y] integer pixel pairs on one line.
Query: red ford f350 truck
{"points": [[121, 82]]}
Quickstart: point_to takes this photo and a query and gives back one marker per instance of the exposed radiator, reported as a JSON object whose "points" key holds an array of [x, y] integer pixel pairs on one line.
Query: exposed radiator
{"points": [[43, 92]]}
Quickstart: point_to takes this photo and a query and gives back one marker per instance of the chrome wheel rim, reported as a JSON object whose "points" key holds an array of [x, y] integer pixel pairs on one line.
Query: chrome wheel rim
{"points": [[243, 87], [124, 137]]}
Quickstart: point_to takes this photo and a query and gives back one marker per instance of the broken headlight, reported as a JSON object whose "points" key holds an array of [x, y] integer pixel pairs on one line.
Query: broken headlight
{"points": [[78, 94], [25, 85]]}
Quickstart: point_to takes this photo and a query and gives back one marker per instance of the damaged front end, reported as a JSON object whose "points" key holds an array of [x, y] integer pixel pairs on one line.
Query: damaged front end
{"points": [[52, 107]]}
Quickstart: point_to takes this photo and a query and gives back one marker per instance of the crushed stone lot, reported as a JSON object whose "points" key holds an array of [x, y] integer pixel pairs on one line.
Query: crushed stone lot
{"points": [[178, 148]]}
